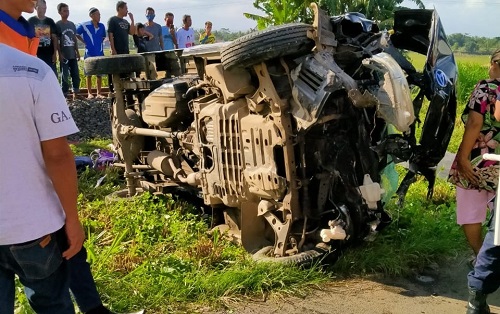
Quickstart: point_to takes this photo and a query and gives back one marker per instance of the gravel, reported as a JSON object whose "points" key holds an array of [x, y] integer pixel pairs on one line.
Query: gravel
{"points": [[92, 118]]}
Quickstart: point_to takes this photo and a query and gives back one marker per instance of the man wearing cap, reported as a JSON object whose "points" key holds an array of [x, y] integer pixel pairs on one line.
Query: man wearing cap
{"points": [[92, 34]]}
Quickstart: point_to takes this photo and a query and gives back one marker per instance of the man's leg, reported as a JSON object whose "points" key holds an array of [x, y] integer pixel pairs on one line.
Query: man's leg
{"points": [[89, 87], [99, 85], [7, 290], [110, 84], [51, 64], [54, 68], [65, 77], [44, 273], [486, 274], [75, 75], [485, 278], [82, 283]]}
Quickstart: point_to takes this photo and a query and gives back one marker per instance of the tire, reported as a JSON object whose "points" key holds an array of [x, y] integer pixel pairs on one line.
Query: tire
{"points": [[273, 42], [118, 64], [300, 259]]}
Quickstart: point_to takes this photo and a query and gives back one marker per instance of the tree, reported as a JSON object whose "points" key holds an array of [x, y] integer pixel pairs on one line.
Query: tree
{"points": [[287, 11], [279, 12]]}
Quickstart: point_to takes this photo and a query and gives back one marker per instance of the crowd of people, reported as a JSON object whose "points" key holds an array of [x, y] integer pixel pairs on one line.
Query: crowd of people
{"points": [[59, 40]]}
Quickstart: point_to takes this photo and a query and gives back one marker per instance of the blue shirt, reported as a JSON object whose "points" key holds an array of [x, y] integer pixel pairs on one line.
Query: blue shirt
{"points": [[168, 41], [93, 38]]}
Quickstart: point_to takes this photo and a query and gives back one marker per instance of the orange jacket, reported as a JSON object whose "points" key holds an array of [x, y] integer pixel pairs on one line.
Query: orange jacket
{"points": [[18, 34]]}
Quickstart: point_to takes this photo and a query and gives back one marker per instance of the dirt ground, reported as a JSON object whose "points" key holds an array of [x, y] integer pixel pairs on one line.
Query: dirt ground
{"points": [[446, 294]]}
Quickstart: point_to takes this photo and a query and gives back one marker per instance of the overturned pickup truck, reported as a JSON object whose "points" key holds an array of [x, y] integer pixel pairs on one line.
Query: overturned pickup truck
{"points": [[287, 132]]}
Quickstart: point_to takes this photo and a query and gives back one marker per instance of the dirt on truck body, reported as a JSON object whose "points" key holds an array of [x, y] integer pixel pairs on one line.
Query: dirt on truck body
{"points": [[287, 132]]}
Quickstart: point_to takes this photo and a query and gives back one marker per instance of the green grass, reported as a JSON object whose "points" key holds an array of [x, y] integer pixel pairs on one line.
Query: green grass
{"points": [[423, 231], [157, 252], [85, 148]]}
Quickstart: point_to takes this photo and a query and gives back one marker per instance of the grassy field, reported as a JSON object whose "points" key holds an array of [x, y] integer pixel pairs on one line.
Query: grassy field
{"points": [[156, 252]]}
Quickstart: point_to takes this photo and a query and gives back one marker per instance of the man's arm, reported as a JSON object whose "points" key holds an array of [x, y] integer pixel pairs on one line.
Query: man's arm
{"points": [[174, 36], [57, 48], [79, 32], [60, 165], [77, 51], [112, 43], [131, 31], [160, 35], [80, 39]]}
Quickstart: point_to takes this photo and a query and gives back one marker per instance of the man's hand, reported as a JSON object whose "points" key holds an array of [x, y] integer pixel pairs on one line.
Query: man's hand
{"points": [[76, 236], [113, 52], [131, 16]]}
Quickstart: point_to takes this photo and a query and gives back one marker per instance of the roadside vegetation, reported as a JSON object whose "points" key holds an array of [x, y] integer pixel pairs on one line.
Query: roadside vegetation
{"points": [[156, 252]]}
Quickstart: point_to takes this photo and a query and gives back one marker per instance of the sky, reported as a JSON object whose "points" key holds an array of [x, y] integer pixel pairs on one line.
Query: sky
{"points": [[473, 17]]}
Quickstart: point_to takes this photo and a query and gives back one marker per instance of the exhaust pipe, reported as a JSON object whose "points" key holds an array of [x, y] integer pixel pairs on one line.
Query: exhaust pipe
{"points": [[164, 163]]}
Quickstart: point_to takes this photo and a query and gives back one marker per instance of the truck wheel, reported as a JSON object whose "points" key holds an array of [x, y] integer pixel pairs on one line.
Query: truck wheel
{"points": [[301, 259], [273, 42], [117, 64]]}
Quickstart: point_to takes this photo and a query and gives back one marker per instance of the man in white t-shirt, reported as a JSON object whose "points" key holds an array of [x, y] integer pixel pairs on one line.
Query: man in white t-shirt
{"points": [[39, 226], [185, 34]]}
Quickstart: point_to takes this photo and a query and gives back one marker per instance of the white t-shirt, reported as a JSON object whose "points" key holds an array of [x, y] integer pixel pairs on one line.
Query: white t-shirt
{"points": [[185, 38], [32, 110]]}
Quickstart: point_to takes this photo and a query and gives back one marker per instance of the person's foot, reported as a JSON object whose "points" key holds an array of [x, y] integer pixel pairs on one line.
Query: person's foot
{"points": [[77, 96], [477, 303], [99, 96], [90, 96]]}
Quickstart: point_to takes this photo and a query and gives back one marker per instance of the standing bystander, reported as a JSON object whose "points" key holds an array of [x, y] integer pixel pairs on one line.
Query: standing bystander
{"points": [[46, 31], [19, 34], [156, 43], [475, 178], [42, 227], [92, 34], [69, 51], [118, 31], [207, 37], [168, 32], [484, 279], [185, 34]]}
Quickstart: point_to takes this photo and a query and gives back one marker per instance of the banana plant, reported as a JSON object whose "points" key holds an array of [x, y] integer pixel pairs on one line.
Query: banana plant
{"points": [[277, 12]]}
